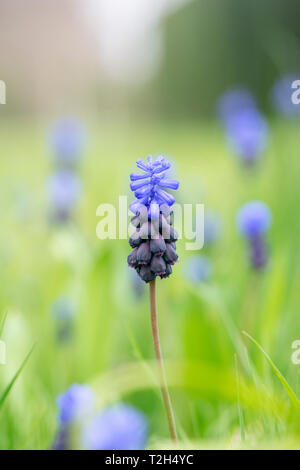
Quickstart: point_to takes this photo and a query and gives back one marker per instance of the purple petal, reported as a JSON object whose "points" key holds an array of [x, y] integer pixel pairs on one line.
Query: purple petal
{"points": [[142, 192], [138, 184], [139, 176], [135, 206], [168, 198], [142, 165], [165, 166], [166, 183]]}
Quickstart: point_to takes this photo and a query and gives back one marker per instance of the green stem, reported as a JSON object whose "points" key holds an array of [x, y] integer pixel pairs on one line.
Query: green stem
{"points": [[161, 369]]}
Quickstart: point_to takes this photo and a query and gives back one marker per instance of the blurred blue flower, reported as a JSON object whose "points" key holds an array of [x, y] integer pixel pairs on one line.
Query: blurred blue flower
{"points": [[149, 187], [247, 134], [234, 101], [245, 127], [68, 138], [62, 439], [198, 268], [281, 96], [119, 427], [254, 218], [258, 252], [63, 312], [64, 190], [74, 404]]}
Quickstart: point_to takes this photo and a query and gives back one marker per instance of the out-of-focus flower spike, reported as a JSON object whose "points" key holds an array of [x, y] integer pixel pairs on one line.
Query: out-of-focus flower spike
{"points": [[253, 221]]}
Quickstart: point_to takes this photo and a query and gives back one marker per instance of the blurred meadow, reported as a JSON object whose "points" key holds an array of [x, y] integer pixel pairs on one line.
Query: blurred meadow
{"points": [[72, 297]]}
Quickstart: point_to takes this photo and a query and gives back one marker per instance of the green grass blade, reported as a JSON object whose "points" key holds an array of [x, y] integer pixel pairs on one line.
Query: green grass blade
{"points": [[240, 411], [295, 400], [13, 380], [2, 323]]}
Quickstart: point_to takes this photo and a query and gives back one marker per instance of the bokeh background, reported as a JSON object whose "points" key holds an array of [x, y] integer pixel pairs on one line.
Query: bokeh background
{"points": [[106, 82]]}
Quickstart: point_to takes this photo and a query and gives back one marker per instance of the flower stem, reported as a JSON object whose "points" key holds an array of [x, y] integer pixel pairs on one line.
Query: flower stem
{"points": [[158, 354]]}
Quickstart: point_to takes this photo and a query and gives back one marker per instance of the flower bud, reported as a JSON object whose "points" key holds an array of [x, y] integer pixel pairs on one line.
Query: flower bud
{"points": [[170, 255], [143, 255], [158, 265], [157, 245]]}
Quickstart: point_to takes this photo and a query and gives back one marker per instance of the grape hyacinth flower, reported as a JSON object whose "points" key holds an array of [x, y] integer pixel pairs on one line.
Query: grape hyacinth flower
{"points": [[233, 101], [119, 427], [67, 140], [245, 127], [74, 406], [153, 243], [247, 135], [253, 220], [64, 190]]}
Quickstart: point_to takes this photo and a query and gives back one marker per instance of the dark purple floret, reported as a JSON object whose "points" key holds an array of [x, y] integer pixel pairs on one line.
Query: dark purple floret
{"points": [[167, 272], [146, 230], [158, 265], [135, 240], [146, 274], [143, 255], [170, 255], [158, 245], [131, 258], [172, 235]]}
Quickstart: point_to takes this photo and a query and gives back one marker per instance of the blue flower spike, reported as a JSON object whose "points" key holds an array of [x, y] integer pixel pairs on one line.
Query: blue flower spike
{"points": [[119, 427], [153, 242], [75, 405], [64, 191], [67, 139], [253, 220], [245, 127]]}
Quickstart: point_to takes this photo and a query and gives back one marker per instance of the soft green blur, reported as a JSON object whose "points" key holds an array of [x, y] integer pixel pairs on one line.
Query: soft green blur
{"points": [[55, 63], [200, 325]]}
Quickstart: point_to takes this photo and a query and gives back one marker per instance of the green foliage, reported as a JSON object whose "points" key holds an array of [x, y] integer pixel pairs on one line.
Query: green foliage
{"points": [[216, 398]]}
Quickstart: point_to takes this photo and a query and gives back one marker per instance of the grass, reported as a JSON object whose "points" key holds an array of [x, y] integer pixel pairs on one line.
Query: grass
{"points": [[219, 402]]}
